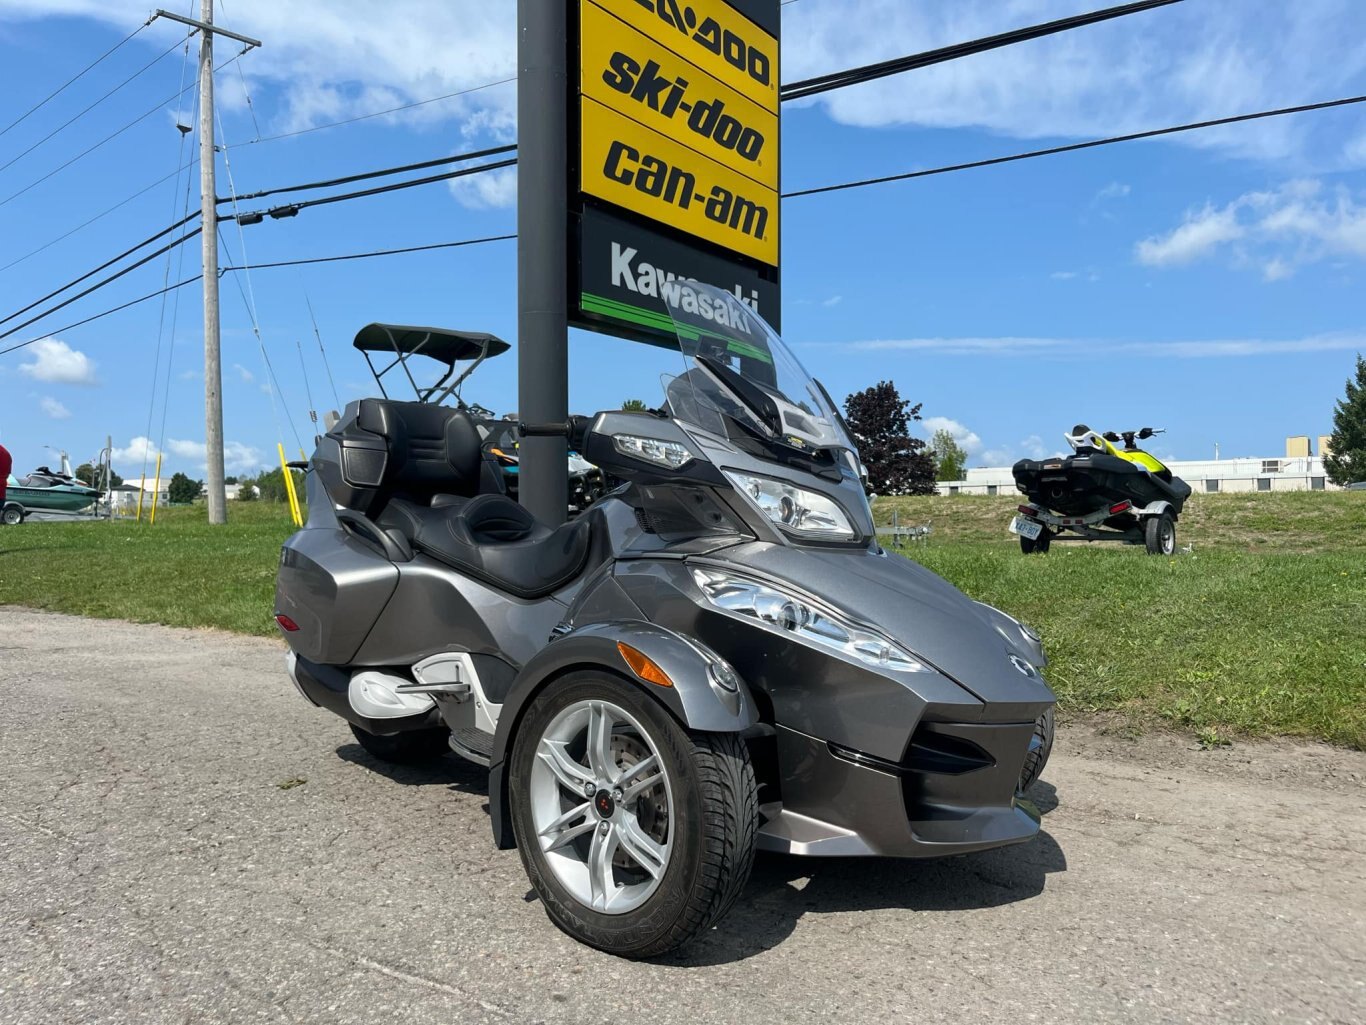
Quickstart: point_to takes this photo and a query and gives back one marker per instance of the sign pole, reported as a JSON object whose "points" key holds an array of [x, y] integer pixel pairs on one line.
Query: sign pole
{"points": [[542, 253]]}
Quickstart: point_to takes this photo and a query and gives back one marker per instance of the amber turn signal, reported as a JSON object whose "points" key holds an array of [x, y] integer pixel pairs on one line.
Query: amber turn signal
{"points": [[642, 666]]}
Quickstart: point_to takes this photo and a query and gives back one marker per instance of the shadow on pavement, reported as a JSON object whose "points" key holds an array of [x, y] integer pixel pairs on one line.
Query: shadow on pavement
{"points": [[449, 771], [784, 888]]}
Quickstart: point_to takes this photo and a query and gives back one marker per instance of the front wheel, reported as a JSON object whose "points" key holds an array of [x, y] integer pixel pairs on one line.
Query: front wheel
{"points": [[637, 833], [1040, 544], [1159, 534], [12, 516]]}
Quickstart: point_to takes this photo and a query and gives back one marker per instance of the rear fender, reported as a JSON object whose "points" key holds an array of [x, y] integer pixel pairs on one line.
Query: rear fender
{"points": [[696, 698], [1155, 509]]}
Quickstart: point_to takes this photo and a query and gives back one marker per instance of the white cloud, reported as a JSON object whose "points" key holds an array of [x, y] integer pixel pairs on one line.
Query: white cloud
{"points": [[136, 451], [242, 372], [833, 301], [1071, 349], [328, 61], [1035, 448], [55, 362], [493, 190], [967, 440], [237, 457], [1187, 62], [1063, 275], [1115, 190], [1200, 234], [53, 408], [1276, 231]]}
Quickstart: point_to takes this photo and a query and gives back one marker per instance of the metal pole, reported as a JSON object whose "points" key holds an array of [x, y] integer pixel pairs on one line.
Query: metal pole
{"points": [[213, 363], [542, 252]]}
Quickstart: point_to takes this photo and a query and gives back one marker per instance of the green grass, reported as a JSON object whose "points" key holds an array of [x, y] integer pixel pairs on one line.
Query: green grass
{"points": [[1262, 630]]}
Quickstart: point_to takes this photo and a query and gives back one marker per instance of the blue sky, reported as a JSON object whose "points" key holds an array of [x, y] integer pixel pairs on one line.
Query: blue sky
{"points": [[1211, 284]]}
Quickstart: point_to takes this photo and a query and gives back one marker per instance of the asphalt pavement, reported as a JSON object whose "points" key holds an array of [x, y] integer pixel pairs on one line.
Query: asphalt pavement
{"points": [[184, 840]]}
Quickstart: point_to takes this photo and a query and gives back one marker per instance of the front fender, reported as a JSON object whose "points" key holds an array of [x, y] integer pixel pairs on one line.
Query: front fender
{"points": [[695, 699]]}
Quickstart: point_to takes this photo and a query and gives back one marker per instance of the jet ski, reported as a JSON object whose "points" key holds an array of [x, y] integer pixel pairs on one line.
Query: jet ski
{"points": [[1100, 492], [45, 490]]}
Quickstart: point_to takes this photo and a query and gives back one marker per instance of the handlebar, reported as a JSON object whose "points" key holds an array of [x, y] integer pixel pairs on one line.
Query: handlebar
{"points": [[575, 429]]}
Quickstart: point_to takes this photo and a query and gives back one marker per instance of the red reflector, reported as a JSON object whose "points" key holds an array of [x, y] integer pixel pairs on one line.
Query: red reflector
{"points": [[1123, 506], [1028, 510], [286, 623]]}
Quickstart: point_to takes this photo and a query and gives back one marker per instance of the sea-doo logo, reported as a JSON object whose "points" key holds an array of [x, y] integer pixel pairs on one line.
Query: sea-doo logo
{"points": [[646, 279], [1022, 666]]}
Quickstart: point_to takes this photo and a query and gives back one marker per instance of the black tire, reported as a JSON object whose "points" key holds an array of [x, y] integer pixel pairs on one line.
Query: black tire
{"points": [[408, 748], [12, 516], [1039, 546], [715, 802], [1159, 534], [1040, 747]]}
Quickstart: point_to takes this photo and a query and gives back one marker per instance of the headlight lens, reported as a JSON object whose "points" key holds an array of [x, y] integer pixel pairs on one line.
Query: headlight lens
{"points": [[803, 512], [803, 620], [669, 454]]}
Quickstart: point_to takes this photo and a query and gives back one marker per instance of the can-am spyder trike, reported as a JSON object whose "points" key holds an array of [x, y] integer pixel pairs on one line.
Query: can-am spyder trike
{"points": [[716, 657]]}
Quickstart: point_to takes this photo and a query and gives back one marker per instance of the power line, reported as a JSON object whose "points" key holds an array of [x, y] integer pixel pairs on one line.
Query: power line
{"points": [[108, 138], [1073, 147], [257, 266], [365, 175], [381, 113], [108, 263], [374, 253], [74, 78], [871, 72], [100, 284], [291, 209], [72, 120]]}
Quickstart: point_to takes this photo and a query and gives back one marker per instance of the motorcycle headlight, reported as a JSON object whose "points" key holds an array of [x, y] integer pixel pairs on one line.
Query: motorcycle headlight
{"points": [[800, 618], [669, 454], [808, 513]]}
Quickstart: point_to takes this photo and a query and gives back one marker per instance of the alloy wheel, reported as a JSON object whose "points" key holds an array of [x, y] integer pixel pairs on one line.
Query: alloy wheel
{"points": [[601, 806]]}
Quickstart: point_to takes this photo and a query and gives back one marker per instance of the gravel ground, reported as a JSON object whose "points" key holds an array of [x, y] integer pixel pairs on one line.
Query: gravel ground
{"points": [[184, 840]]}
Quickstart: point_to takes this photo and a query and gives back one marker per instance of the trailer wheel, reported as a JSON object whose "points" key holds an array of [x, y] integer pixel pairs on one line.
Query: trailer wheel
{"points": [[1159, 534], [12, 516], [1039, 545]]}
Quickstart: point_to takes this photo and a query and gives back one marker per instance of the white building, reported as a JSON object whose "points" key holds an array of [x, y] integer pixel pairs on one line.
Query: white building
{"points": [[1296, 471]]}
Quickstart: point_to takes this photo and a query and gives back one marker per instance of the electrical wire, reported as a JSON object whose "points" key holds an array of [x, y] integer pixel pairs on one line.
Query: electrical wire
{"points": [[1076, 146], [72, 120], [871, 72], [326, 364], [366, 175], [109, 138], [256, 266], [74, 78], [381, 113]]}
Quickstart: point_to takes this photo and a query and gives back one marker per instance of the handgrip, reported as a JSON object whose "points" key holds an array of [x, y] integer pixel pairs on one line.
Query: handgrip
{"points": [[367, 527]]}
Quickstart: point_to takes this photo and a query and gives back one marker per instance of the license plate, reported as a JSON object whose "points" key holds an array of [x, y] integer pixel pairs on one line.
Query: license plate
{"points": [[1026, 528]]}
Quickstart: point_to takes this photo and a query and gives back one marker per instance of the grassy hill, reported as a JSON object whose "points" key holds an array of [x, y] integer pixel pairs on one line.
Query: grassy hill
{"points": [[1261, 629]]}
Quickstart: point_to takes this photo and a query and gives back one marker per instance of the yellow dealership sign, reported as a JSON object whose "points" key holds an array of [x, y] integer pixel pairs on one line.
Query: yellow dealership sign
{"points": [[635, 75], [650, 174], [715, 37]]}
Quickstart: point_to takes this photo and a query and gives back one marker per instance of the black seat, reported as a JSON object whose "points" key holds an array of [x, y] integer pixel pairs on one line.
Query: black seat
{"points": [[494, 539]]}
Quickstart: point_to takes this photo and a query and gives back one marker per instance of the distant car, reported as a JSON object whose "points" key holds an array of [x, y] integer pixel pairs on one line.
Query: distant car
{"points": [[1358, 486]]}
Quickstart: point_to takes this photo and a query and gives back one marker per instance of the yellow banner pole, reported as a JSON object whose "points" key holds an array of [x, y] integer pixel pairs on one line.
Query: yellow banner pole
{"points": [[294, 514], [156, 490], [142, 490]]}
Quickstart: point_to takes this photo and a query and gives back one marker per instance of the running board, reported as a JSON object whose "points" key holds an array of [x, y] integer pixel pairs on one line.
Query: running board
{"points": [[474, 745]]}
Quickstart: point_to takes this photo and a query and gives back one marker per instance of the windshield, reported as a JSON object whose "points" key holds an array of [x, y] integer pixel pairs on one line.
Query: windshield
{"points": [[738, 368]]}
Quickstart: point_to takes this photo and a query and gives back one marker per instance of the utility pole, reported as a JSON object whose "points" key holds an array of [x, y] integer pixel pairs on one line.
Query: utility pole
{"points": [[543, 253], [208, 221]]}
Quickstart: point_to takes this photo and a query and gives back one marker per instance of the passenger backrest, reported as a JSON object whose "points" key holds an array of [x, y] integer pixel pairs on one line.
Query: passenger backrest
{"points": [[410, 450]]}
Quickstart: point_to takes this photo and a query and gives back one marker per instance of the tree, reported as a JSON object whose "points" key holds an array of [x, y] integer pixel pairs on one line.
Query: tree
{"points": [[880, 421], [1346, 460], [272, 485], [182, 490], [229, 480], [247, 491], [949, 456], [94, 476], [634, 406]]}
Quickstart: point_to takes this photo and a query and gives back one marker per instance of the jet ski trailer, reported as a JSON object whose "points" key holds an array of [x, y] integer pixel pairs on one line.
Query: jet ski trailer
{"points": [[1100, 493]]}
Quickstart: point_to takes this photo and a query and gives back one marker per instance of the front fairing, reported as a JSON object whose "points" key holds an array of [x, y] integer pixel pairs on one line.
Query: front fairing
{"points": [[965, 641]]}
